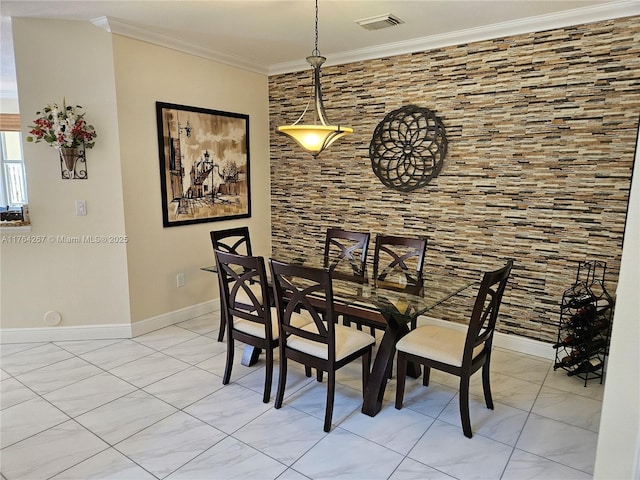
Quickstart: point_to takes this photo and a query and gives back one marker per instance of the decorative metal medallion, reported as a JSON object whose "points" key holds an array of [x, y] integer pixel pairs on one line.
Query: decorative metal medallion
{"points": [[407, 148]]}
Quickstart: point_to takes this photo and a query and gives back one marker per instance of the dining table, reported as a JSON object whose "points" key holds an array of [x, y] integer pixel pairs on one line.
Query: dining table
{"points": [[389, 305]]}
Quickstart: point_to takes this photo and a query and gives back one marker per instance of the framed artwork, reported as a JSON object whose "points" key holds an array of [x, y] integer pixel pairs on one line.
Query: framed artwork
{"points": [[204, 164]]}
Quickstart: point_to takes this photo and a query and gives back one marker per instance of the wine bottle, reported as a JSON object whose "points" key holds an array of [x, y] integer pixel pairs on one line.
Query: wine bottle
{"points": [[588, 366]]}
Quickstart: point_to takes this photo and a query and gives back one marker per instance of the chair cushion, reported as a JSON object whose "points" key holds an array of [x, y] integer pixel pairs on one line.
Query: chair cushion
{"points": [[348, 341], [242, 297], [437, 343], [257, 330]]}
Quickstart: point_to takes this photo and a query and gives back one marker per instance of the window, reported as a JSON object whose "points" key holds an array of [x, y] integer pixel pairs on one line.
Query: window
{"points": [[13, 186]]}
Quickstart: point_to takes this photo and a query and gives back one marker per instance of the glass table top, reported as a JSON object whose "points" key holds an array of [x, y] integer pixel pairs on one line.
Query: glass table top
{"points": [[401, 295]]}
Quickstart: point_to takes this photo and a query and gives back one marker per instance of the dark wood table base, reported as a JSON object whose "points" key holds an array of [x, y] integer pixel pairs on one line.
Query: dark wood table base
{"points": [[250, 356], [394, 330], [383, 366]]}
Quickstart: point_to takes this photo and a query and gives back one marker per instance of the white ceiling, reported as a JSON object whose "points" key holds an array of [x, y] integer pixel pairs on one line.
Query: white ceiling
{"points": [[275, 36]]}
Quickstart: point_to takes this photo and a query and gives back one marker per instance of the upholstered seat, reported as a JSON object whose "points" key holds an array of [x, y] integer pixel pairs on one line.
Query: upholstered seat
{"points": [[257, 330], [444, 344], [243, 298], [348, 341]]}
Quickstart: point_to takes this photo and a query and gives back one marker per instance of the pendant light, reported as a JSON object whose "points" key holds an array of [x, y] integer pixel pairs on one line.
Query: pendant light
{"points": [[315, 138]]}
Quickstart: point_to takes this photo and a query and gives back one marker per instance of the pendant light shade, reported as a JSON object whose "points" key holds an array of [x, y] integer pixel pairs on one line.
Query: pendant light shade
{"points": [[316, 137]]}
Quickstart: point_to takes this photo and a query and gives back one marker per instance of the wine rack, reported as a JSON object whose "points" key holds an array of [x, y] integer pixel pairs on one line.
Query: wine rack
{"points": [[586, 313]]}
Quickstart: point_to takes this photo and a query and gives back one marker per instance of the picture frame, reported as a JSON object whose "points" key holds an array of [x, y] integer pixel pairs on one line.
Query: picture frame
{"points": [[204, 164]]}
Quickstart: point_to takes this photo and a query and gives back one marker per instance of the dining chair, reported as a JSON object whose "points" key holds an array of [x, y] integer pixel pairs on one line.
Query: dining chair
{"points": [[322, 344], [397, 265], [238, 276], [457, 352], [399, 259], [231, 240], [345, 253]]}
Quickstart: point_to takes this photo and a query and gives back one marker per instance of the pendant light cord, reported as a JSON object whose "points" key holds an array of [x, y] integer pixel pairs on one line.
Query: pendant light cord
{"points": [[316, 52]]}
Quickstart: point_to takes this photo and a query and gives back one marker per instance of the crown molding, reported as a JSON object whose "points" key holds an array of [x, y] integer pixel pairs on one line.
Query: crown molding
{"points": [[619, 9], [625, 8], [114, 25]]}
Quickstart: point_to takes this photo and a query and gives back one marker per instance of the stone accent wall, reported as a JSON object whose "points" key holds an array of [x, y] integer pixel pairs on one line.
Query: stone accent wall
{"points": [[541, 131]]}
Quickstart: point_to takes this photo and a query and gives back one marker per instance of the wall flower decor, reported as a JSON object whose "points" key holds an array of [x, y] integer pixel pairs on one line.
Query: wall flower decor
{"points": [[65, 129]]}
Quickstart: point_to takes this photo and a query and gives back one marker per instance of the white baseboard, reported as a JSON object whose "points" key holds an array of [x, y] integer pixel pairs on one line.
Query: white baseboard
{"points": [[105, 332], [502, 340], [62, 334], [171, 318]]}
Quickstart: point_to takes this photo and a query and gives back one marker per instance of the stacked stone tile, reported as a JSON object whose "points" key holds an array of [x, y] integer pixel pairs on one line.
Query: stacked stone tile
{"points": [[542, 130]]}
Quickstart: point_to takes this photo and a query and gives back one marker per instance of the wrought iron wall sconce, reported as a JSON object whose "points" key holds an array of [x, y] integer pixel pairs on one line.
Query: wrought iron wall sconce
{"points": [[73, 163]]}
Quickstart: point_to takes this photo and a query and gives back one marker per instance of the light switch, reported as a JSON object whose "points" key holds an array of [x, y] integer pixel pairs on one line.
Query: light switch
{"points": [[81, 207]]}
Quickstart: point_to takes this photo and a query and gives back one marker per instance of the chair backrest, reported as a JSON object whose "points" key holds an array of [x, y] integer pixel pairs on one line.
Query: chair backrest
{"points": [[299, 288], [239, 276], [485, 311], [232, 240], [399, 259], [345, 252]]}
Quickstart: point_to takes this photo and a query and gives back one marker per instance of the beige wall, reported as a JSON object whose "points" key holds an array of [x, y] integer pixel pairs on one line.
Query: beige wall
{"points": [[118, 80], [145, 74], [86, 283]]}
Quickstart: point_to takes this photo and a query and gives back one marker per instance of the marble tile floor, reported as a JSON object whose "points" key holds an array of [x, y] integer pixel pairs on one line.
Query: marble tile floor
{"points": [[154, 407]]}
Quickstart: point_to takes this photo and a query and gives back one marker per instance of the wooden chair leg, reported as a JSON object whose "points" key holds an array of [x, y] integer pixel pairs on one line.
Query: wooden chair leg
{"points": [[229, 366], [486, 386], [366, 369], [401, 376], [281, 381], [331, 392], [266, 396], [425, 377], [464, 406], [223, 324], [307, 370], [319, 375]]}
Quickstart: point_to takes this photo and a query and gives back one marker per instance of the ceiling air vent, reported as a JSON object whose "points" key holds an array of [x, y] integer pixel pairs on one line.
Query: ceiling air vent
{"points": [[379, 21]]}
